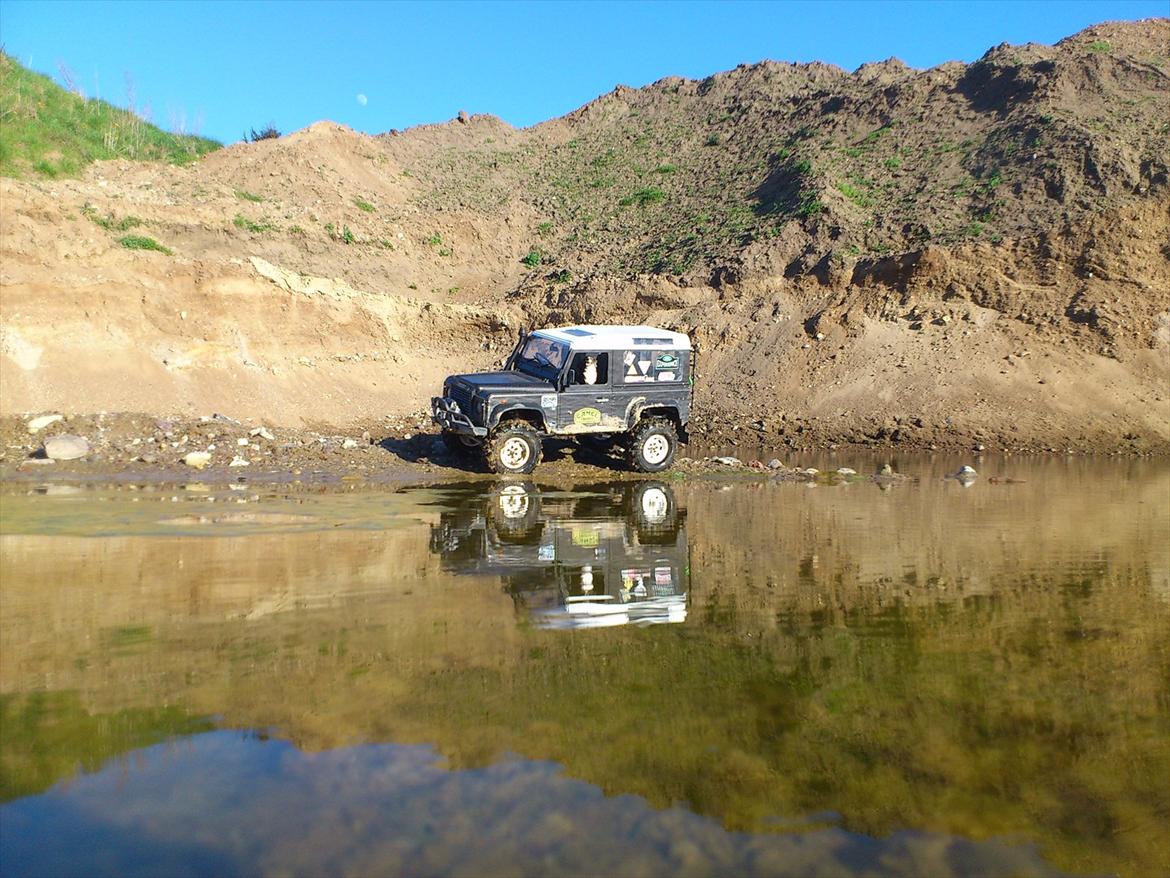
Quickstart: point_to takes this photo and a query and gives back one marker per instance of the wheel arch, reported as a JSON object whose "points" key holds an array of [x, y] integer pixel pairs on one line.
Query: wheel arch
{"points": [[658, 410], [519, 412]]}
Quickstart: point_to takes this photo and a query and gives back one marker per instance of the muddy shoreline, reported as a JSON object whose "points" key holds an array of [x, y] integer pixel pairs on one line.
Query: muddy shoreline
{"points": [[140, 448]]}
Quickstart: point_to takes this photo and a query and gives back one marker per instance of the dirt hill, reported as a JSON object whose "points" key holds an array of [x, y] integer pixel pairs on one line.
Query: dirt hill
{"points": [[967, 254]]}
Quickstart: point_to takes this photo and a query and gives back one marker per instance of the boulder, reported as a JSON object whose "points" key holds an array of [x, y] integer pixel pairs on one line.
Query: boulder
{"points": [[197, 459], [39, 423], [66, 447]]}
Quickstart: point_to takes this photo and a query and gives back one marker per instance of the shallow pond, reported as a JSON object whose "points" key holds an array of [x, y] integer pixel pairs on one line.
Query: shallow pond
{"points": [[646, 677]]}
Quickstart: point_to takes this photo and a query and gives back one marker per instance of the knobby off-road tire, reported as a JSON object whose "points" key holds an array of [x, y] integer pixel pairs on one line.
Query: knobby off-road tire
{"points": [[653, 445], [514, 449]]}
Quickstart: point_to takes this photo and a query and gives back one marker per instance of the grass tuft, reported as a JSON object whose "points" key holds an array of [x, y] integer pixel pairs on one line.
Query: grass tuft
{"points": [[142, 242]]}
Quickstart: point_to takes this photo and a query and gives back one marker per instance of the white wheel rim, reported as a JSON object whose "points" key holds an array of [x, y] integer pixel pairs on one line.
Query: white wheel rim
{"points": [[654, 505], [514, 501], [655, 449], [514, 453]]}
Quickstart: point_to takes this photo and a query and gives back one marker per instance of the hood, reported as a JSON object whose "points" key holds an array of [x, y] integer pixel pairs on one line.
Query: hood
{"points": [[492, 381]]}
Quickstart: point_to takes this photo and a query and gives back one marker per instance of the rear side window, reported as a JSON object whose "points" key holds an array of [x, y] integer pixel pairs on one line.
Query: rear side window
{"points": [[652, 366]]}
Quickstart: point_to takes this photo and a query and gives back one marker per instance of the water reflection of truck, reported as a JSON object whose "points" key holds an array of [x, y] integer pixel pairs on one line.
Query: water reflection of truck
{"points": [[598, 556]]}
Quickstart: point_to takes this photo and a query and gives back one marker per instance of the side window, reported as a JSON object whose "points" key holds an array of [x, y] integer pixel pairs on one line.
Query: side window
{"points": [[651, 366], [590, 369]]}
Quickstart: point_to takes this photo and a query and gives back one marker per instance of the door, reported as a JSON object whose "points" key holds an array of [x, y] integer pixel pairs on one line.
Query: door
{"points": [[586, 404]]}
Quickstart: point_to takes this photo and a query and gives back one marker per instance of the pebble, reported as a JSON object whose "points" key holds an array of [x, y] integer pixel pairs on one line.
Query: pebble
{"points": [[726, 461], [263, 433], [846, 471], [66, 447], [239, 461], [886, 470], [812, 471], [242, 442], [966, 472], [349, 443], [38, 424], [197, 459], [775, 463]]}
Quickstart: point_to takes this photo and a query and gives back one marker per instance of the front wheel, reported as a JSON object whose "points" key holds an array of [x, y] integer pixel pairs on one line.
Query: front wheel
{"points": [[514, 449], [652, 445]]}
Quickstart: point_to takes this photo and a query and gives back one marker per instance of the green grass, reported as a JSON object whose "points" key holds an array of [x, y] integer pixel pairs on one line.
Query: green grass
{"points": [[665, 169], [363, 205], [49, 132], [1100, 46], [854, 194], [532, 258], [247, 196], [643, 197], [544, 229], [142, 242], [247, 225], [108, 222], [434, 240]]}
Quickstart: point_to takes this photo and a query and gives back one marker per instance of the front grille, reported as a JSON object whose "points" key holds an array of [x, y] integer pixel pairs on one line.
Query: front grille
{"points": [[461, 393]]}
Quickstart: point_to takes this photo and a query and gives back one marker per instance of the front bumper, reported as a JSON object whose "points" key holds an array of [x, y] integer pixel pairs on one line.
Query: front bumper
{"points": [[445, 412]]}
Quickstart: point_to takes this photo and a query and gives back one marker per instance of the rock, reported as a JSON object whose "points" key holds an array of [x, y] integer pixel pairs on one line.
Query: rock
{"points": [[349, 443], [726, 461], [463, 117], [775, 463], [979, 446], [66, 447], [38, 424], [886, 470], [242, 442], [197, 459], [966, 473], [239, 461], [263, 434], [812, 471], [846, 471]]}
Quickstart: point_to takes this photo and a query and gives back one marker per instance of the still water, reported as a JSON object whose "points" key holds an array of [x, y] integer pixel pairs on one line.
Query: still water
{"points": [[642, 677]]}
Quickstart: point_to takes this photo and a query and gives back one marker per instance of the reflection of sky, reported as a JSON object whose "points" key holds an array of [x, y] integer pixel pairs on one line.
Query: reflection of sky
{"points": [[227, 803]]}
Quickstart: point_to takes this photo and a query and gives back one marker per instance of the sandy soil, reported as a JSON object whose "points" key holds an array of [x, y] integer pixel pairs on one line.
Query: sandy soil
{"points": [[963, 256]]}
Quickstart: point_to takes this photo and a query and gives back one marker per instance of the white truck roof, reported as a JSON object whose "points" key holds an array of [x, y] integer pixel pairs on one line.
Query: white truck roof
{"points": [[617, 337]]}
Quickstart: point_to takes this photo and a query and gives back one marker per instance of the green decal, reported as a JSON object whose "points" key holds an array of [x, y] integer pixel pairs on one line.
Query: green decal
{"points": [[587, 417], [666, 362]]}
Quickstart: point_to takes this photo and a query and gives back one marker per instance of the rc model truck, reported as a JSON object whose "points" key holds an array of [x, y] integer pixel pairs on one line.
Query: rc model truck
{"points": [[600, 385]]}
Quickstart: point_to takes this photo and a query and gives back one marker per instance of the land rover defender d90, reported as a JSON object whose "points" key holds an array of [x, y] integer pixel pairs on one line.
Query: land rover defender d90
{"points": [[595, 384]]}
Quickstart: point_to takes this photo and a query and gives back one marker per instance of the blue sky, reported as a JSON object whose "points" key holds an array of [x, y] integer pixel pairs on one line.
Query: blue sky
{"points": [[225, 67]]}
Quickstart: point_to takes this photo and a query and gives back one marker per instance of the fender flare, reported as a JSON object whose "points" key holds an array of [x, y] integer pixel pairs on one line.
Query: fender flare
{"points": [[498, 414]]}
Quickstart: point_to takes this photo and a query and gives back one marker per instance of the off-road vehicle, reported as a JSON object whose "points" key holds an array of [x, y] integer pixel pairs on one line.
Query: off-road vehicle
{"points": [[596, 384]]}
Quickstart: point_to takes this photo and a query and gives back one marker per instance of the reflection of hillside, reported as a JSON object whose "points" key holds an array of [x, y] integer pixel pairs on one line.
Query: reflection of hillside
{"points": [[984, 662]]}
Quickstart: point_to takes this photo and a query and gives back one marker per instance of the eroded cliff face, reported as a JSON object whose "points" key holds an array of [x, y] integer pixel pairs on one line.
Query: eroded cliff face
{"points": [[967, 253]]}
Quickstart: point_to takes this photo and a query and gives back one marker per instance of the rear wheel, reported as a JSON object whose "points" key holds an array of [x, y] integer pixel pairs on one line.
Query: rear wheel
{"points": [[514, 449], [652, 445]]}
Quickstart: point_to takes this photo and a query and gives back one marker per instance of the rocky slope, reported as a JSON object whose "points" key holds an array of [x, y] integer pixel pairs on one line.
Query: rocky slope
{"points": [[968, 254]]}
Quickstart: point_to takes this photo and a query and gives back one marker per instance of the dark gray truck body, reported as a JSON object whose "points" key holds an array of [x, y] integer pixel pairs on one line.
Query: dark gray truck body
{"points": [[647, 372]]}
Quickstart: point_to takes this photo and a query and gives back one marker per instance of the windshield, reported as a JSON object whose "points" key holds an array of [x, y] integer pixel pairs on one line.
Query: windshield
{"points": [[541, 356]]}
